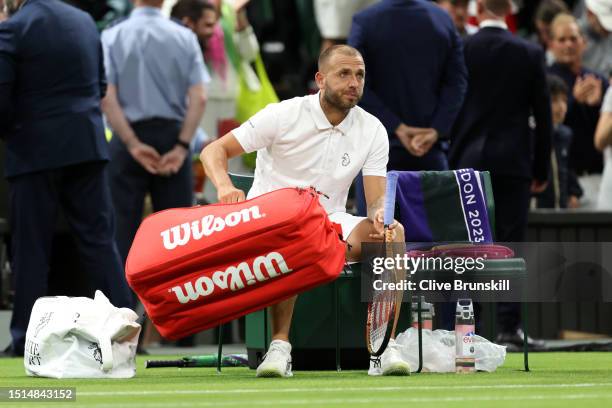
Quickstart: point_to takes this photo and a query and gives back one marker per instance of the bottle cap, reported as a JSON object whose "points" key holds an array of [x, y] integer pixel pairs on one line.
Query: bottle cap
{"points": [[465, 309]]}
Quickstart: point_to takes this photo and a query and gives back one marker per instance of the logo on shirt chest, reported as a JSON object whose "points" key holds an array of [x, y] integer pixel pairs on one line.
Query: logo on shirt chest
{"points": [[346, 159]]}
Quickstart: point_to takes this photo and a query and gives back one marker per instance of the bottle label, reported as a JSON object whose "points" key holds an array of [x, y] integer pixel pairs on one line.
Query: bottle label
{"points": [[464, 336]]}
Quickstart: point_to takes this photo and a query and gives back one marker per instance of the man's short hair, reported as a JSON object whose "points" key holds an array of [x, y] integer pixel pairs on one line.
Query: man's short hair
{"points": [[463, 3], [556, 86], [498, 7], [337, 49], [192, 9], [549, 9], [563, 19]]}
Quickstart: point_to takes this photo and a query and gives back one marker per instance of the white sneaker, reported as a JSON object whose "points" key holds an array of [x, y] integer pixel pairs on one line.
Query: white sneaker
{"points": [[277, 361], [390, 362]]}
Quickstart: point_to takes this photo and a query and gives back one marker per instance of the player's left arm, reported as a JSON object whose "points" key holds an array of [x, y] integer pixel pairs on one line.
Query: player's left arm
{"points": [[375, 180], [374, 188]]}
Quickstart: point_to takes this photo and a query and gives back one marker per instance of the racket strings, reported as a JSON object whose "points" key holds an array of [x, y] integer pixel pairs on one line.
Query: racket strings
{"points": [[381, 313]]}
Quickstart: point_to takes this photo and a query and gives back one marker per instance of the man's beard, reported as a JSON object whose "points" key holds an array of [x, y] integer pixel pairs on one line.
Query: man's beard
{"points": [[334, 99], [11, 7]]}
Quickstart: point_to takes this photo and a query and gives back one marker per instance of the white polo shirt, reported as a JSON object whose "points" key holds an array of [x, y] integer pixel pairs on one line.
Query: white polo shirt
{"points": [[297, 146]]}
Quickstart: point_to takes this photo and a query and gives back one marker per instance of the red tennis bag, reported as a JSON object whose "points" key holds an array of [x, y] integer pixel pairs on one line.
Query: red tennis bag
{"points": [[195, 268]]}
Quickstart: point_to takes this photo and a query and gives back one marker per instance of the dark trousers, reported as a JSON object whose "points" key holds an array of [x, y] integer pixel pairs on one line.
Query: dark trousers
{"points": [[512, 195], [82, 193], [130, 182]]}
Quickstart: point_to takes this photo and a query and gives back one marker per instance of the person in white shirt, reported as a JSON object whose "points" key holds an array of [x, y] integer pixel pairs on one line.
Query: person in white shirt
{"points": [[322, 140]]}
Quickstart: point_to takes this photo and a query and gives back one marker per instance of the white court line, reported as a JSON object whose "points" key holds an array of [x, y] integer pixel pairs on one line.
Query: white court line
{"points": [[343, 401], [337, 389]]}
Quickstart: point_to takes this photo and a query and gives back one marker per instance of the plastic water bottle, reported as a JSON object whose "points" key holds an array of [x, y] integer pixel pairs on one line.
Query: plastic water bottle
{"points": [[465, 355], [427, 313]]}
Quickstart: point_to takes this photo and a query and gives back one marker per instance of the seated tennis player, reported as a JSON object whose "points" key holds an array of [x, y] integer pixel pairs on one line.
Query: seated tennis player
{"points": [[321, 140]]}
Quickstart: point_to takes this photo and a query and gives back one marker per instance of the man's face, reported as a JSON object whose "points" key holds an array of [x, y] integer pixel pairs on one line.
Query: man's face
{"points": [[543, 33], [342, 81], [460, 15], [11, 6], [559, 108], [204, 27], [567, 44]]}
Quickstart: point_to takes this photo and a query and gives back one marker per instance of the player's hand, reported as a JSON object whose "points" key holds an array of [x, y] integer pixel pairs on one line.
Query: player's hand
{"points": [[230, 194], [379, 227], [146, 156], [172, 161]]}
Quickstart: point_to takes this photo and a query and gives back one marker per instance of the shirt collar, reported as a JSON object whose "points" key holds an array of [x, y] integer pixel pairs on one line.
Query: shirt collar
{"points": [[321, 120], [146, 11], [494, 23]]}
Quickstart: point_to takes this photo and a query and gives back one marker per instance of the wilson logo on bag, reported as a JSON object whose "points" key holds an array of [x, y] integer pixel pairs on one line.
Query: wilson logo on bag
{"points": [[181, 234], [233, 277], [195, 268]]}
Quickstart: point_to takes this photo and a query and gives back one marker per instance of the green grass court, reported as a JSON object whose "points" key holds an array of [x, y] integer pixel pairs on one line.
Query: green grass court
{"points": [[556, 380]]}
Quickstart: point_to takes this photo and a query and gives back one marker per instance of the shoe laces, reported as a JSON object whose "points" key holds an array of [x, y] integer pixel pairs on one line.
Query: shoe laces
{"points": [[275, 351]]}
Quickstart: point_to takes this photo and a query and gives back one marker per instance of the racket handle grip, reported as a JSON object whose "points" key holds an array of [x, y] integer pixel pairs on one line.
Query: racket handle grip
{"points": [[164, 363]]}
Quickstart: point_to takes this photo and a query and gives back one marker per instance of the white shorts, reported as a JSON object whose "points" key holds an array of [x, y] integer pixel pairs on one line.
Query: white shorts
{"points": [[347, 221]]}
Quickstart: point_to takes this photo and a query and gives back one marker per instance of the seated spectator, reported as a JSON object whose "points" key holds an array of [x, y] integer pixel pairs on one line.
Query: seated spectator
{"points": [[544, 15], [596, 27], [563, 189], [585, 91], [458, 10]]}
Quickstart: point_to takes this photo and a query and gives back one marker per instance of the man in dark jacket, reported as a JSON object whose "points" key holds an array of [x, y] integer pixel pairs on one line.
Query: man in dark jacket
{"points": [[507, 84], [51, 82]]}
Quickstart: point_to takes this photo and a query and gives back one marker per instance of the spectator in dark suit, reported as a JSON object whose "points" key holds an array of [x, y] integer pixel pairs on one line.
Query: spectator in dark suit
{"points": [[416, 78], [507, 84], [56, 153], [586, 90], [414, 87]]}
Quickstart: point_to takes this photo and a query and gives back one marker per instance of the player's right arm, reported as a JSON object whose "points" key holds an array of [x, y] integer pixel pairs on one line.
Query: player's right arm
{"points": [[256, 133], [214, 158]]}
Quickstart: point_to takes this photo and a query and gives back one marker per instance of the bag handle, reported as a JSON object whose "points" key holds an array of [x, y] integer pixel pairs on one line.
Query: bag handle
{"points": [[106, 349]]}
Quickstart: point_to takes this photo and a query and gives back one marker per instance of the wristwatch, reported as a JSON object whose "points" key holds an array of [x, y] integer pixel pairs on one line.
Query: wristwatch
{"points": [[184, 144]]}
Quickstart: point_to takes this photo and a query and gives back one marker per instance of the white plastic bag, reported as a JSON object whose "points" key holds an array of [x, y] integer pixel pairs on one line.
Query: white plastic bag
{"points": [[79, 337], [439, 351]]}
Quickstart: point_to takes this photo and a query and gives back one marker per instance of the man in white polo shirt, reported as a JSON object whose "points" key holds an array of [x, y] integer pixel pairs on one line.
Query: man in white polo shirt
{"points": [[321, 140]]}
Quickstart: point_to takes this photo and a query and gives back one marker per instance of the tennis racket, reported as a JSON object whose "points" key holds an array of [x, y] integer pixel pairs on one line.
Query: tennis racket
{"points": [[383, 310], [232, 360]]}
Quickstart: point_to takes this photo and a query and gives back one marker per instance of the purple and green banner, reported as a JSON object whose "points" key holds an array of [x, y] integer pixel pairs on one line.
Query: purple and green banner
{"points": [[441, 206]]}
